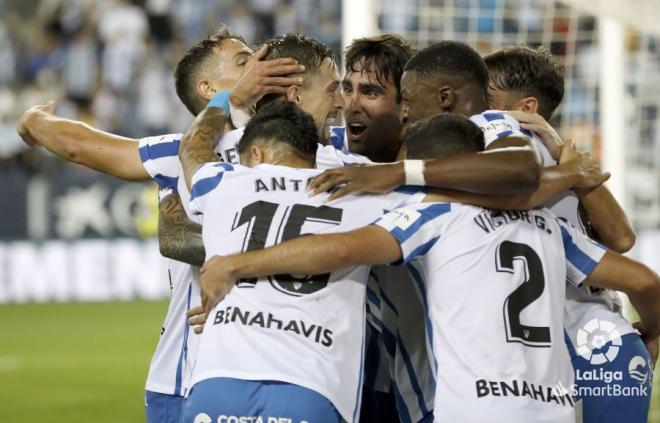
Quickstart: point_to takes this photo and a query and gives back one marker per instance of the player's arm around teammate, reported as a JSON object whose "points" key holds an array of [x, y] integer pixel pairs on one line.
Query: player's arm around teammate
{"points": [[605, 214]]}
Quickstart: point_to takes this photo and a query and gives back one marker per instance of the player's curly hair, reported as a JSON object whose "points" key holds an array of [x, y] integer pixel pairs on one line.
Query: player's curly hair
{"points": [[451, 59], [189, 67], [533, 72], [384, 55], [282, 122], [441, 136]]}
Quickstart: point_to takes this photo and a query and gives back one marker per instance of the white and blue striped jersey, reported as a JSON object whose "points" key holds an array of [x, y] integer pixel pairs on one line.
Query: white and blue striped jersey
{"points": [[495, 284], [170, 365], [583, 304], [338, 138], [304, 330]]}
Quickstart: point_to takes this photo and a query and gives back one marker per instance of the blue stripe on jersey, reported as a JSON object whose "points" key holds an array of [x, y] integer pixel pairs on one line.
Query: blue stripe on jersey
{"points": [[358, 394], [527, 132], [373, 297], [417, 278], [204, 186], [427, 214], [404, 413], [337, 137], [157, 151], [413, 376], [504, 134], [184, 349], [493, 116], [422, 249], [167, 181], [389, 303], [411, 189], [575, 256], [224, 165]]}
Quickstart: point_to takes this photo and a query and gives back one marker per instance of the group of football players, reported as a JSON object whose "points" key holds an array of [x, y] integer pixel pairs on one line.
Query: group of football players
{"points": [[456, 250]]}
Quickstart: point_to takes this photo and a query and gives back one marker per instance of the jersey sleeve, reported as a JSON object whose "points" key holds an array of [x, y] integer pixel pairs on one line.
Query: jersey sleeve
{"points": [[496, 125], [160, 158], [416, 228], [204, 180], [582, 253]]}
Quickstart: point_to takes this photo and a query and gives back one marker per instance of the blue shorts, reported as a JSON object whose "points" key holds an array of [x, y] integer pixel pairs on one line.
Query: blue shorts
{"points": [[618, 390], [228, 400], [162, 408]]}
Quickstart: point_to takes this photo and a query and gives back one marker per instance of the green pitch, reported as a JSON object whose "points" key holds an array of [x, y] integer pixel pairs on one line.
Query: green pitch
{"points": [[84, 362], [87, 362]]}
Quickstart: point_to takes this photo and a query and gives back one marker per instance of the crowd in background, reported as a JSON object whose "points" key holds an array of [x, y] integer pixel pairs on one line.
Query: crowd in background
{"points": [[110, 63]]}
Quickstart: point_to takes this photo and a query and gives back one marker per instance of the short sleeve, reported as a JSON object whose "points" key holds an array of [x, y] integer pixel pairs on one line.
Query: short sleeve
{"points": [[582, 253], [160, 158], [497, 124], [416, 227], [204, 181]]}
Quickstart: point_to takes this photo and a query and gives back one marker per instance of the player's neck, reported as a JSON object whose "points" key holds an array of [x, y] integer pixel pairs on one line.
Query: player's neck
{"points": [[292, 160]]}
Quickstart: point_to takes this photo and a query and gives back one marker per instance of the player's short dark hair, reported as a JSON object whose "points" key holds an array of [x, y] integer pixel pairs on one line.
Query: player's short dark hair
{"points": [[452, 59], [306, 50], [442, 135], [384, 55], [282, 122], [530, 71], [189, 67]]}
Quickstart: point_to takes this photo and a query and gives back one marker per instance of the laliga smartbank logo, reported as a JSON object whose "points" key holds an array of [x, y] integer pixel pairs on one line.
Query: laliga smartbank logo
{"points": [[593, 336]]}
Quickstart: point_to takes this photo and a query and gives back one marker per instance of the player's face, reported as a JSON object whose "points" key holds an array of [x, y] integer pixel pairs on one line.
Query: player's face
{"points": [[320, 96], [371, 112], [418, 99], [229, 64]]}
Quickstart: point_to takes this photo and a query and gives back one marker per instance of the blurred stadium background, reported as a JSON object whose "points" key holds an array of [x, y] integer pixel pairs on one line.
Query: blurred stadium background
{"points": [[82, 288]]}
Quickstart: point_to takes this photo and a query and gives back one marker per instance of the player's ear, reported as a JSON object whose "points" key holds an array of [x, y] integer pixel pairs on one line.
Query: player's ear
{"points": [[445, 97], [527, 104], [257, 155], [293, 95], [205, 89]]}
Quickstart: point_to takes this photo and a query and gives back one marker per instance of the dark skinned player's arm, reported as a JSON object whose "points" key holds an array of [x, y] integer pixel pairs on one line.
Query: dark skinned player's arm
{"points": [[509, 171], [641, 284], [199, 141], [179, 238], [79, 143]]}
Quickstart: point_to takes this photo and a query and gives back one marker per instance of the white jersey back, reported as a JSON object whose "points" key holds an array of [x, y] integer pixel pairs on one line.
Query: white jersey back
{"points": [[583, 304], [307, 330], [496, 289], [170, 366]]}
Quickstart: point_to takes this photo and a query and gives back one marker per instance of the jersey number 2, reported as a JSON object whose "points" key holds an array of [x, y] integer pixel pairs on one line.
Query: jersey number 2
{"points": [[259, 217], [528, 292]]}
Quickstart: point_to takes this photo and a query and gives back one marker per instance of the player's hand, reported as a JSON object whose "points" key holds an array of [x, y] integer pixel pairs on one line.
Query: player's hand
{"points": [[263, 77], [652, 344], [29, 117], [585, 166], [536, 123], [197, 318], [215, 282], [377, 179]]}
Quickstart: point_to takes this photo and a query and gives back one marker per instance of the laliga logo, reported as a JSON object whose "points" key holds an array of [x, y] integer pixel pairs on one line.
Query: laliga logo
{"points": [[595, 335], [637, 369], [203, 418]]}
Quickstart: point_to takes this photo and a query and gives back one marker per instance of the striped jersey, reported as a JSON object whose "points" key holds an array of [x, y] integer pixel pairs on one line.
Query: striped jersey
{"points": [[306, 330], [585, 303], [171, 363], [495, 285]]}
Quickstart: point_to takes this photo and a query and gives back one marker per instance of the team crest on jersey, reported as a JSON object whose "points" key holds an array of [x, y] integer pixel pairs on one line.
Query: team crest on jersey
{"points": [[402, 218]]}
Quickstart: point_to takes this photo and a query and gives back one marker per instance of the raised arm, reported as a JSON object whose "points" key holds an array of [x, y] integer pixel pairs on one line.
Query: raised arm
{"points": [[201, 137], [511, 167], [305, 255], [179, 238], [603, 211], [79, 143]]}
